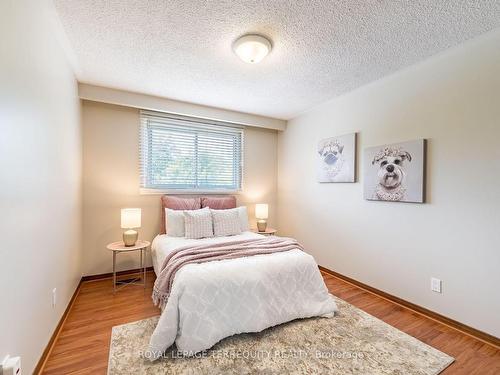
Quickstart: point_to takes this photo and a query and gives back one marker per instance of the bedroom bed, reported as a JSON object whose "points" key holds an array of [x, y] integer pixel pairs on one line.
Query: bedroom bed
{"points": [[211, 300]]}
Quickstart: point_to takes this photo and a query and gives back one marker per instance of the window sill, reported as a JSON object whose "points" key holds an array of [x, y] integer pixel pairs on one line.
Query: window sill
{"points": [[145, 191]]}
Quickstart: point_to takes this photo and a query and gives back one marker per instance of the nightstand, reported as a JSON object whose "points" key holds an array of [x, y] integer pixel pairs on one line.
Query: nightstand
{"points": [[119, 247], [268, 231]]}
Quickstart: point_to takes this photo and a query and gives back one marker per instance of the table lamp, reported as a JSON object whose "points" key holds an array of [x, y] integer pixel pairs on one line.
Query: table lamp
{"points": [[261, 214], [131, 218]]}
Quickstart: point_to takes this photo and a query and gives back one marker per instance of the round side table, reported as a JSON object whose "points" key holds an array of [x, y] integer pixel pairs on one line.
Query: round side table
{"points": [[119, 247], [267, 232]]}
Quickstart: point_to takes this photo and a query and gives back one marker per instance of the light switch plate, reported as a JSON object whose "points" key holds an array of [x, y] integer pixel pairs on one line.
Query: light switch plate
{"points": [[54, 297], [436, 285]]}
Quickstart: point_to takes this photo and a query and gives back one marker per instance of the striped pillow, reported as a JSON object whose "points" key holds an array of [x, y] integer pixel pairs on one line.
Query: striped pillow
{"points": [[198, 223], [226, 222]]}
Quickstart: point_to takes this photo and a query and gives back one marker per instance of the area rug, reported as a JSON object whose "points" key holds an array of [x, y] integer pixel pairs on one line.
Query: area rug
{"points": [[353, 342]]}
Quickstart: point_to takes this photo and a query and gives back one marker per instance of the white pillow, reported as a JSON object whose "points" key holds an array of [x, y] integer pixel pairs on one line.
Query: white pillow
{"points": [[174, 222], [226, 222], [198, 223], [243, 215]]}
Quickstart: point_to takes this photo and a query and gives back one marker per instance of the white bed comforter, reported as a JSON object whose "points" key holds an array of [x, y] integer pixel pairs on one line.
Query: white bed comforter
{"points": [[213, 300]]}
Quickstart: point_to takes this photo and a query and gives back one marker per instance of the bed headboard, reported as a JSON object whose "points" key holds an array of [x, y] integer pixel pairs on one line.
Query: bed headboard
{"points": [[193, 203]]}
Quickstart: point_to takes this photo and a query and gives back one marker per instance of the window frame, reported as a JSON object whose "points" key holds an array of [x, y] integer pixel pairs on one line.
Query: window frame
{"points": [[198, 126]]}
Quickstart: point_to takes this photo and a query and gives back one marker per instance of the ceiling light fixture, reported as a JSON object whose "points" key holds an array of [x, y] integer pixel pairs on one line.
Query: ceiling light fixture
{"points": [[252, 48]]}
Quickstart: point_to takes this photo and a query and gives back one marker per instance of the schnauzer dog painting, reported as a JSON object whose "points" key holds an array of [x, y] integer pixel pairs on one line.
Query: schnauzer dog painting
{"points": [[336, 159], [395, 172]]}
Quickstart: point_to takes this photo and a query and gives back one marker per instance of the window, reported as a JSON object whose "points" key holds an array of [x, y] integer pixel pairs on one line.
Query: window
{"points": [[189, 154]]}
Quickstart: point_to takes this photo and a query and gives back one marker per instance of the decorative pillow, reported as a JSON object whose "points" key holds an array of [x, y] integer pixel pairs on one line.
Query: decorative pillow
{"points": [[176, 203], [242, 217], [226, 222], [175, 222], [218, 203], [198, 223]]}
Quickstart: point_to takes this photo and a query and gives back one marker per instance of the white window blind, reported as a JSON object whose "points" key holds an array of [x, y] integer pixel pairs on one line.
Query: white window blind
{"points": [[189, 154]]}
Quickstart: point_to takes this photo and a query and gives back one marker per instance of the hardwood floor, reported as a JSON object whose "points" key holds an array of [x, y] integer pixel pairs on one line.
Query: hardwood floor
{"points": [[83, 344]]}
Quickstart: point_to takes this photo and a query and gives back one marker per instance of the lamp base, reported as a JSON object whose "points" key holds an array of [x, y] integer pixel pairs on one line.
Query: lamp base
{"points": [[261, 225], [130, 237]]}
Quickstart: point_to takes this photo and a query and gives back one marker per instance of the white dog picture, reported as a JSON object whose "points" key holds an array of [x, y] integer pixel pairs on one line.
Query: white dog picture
{"points": [[395, 172], [336, 159]]}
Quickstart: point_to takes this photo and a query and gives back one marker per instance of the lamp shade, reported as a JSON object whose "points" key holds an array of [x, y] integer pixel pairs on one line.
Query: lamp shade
{"points": [[261, 211], [131, 218]]}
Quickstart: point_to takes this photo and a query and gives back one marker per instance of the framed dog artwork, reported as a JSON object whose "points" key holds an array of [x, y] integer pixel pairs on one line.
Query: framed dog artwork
{"points": [[395, 172], [336, 159]]}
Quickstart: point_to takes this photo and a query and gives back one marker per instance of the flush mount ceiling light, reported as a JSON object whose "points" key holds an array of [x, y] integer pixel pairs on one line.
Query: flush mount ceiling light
{"points": [[252, 48]]}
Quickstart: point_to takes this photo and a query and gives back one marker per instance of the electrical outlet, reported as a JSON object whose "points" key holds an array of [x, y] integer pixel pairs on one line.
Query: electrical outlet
{"points": [[54, 297], [436, 285]]}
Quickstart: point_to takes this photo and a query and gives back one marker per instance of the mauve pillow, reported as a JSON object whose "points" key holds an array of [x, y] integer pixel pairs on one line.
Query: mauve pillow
{"points": [[218, 203], [176, 203]]}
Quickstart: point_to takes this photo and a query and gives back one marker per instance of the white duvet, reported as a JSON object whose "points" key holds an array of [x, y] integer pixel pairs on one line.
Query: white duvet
{"points": [[213, 300]]}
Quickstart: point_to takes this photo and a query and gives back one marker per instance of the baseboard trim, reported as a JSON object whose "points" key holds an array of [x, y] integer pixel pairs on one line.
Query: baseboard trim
{"points": [[109, 275], [48, 349], [463, 328]]}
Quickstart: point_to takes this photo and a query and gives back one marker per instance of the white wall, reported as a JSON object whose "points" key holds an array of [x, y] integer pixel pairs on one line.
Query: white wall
{"points": [[40, 179], [111, 181], [453, 100]]}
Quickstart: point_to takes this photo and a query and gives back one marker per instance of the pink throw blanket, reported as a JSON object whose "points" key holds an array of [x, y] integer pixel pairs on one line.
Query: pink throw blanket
{"points": [[211, 252]]}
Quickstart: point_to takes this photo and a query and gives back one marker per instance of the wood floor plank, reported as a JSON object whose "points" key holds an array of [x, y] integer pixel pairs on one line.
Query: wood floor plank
{"points": [[83, 344]]}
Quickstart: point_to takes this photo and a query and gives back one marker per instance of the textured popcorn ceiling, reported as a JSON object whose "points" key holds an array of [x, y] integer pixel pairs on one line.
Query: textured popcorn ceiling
{"points": [[182, 49]]}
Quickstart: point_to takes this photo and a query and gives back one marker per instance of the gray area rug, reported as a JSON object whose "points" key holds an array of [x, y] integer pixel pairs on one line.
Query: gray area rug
{"points": [[353, 342]]}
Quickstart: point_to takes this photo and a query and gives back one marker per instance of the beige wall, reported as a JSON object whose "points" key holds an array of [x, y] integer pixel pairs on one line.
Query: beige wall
{"points": [[154, 103], [453, 100], [111, 180], [40, 160]]}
